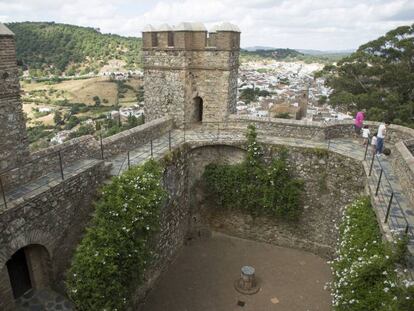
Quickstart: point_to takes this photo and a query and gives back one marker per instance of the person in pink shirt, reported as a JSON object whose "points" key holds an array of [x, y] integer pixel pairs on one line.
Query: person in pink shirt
{"points": [[359, 121]]}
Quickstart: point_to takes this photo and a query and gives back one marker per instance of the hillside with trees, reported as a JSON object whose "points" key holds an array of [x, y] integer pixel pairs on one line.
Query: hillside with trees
{"points": [[378, 77], [290, 55], [47, 48]]}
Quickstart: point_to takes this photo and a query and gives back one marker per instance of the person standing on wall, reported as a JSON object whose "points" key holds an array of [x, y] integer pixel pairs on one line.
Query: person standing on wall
{"points": [[382, 131], [359, 121]]}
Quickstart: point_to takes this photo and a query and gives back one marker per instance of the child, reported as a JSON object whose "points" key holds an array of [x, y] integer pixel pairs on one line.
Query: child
{"points": [[374, 142], [365, 134]]}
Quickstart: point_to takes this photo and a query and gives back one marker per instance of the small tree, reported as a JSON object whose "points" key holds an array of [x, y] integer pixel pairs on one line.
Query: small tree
{"points": [[97, 100], [58, 117]]}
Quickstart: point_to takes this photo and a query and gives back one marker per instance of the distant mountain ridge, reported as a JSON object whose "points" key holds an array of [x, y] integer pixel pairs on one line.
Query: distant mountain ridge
{"points": [[303, 51], [51, 48]]}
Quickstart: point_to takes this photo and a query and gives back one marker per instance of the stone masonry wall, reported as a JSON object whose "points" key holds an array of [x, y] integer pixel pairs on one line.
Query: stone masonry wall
{"points": [[133, 138], [54, 217], [174, 221], [403, 165], [314, 130], [173, 78], [13, 142], [47, 160], [331, 182]]}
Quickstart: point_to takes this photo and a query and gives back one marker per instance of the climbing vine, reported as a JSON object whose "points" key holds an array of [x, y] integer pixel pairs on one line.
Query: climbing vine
{"points": [[254, 186], [113, 255]]}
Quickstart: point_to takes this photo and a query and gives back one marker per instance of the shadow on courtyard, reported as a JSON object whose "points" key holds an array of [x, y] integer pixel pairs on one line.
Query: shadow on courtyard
{"points": [[203, 274]]}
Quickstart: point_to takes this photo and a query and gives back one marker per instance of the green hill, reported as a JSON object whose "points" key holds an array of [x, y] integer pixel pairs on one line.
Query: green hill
{"points": [[289, 55], [276, 54], [50, 48]]}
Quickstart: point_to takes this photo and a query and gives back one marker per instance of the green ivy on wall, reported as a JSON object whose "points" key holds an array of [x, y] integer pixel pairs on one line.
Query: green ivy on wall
{"points": [[115, 251], [256, 187]]}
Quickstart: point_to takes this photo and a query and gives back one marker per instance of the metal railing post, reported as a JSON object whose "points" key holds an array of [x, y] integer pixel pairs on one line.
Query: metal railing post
{"points": [[129, 163], [218, 130], [3, 193], [151, 149], [184, 131], [372, 163], [379, 181], [366, 150], [61, 165], [102, 151], [407, 227], [389, 207], [169, 140]]}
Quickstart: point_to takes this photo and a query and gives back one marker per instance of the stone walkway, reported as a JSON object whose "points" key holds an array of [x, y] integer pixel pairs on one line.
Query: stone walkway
{"points": [[42, 183], [43, 300]]}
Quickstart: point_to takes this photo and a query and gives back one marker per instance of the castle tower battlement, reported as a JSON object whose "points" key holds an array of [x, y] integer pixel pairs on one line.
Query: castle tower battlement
{"points": [[13, 136], [190, 73]]}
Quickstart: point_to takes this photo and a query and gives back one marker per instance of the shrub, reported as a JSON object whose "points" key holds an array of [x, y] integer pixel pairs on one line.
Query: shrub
{"points": [[113, 255], [254, 186], [364, 271]]}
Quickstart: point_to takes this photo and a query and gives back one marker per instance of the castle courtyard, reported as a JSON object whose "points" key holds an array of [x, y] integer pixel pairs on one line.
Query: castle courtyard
{"points": [[202, 278]]}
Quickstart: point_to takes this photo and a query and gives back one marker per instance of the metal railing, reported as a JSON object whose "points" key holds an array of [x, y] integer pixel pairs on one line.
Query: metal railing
{"points": [[12, 185], [391, 208]]}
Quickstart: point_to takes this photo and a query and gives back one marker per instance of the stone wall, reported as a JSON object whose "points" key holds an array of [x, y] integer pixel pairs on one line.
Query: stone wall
{"points": [[279, 127], [314, 130], [47, 160], [13, 142], [54, 217], [173, 222], [135, 137], [410, 145], [174, 78], [331, 182], [403, 165]]}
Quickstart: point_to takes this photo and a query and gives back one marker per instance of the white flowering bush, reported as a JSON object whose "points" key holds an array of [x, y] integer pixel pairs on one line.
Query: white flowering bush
{"points": [[115, 251], [365, 268]]}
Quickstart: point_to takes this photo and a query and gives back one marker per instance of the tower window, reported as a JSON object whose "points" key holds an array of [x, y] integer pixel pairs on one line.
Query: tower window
{"points": [[154, 39], [170, 38]]}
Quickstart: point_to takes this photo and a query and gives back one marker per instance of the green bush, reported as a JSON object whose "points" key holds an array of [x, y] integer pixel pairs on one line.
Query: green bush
{"points": [[254, 186], [112, 257], [364, 271]]}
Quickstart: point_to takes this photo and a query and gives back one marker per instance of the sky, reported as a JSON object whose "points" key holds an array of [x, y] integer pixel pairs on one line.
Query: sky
{"points": [[298, 24]]}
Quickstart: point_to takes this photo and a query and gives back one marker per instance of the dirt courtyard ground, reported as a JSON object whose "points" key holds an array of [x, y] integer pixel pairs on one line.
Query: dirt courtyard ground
{"points": [[202, 278]]}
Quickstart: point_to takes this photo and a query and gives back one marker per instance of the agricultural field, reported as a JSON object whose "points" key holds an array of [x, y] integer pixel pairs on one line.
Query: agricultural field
{"points": [[78, 107]]}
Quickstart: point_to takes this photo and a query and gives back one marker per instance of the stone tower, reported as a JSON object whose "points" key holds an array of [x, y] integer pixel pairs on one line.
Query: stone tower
{"points": [[189, 73], [13, 137]]}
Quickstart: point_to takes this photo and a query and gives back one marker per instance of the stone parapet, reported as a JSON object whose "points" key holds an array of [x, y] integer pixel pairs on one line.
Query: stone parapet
{"points": [[403, 165], [132, 138]]}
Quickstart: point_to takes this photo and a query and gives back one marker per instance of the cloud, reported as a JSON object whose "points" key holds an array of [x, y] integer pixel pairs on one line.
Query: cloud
{"points": [[316, 24]]}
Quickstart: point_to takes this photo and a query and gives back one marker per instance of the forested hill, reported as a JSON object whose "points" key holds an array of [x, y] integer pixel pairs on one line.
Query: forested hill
{"points": [[378, 77], [277, 54], [290, 55], [51, 48]]}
